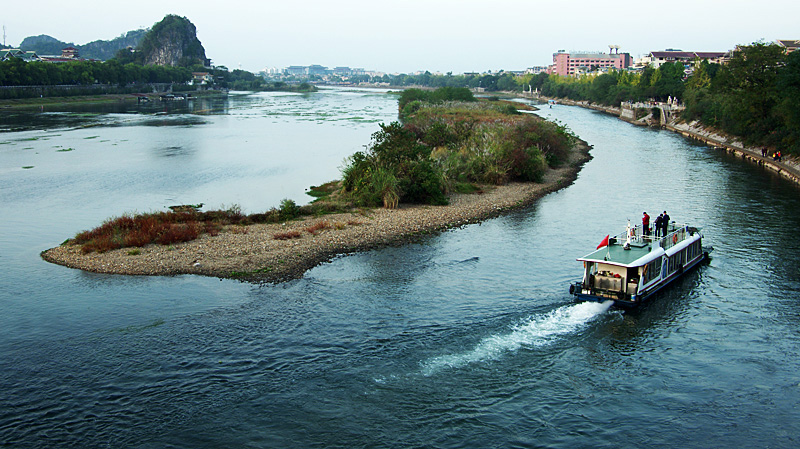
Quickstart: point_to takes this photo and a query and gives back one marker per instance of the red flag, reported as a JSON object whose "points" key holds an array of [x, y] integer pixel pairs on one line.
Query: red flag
{"points": [[603, 243]]}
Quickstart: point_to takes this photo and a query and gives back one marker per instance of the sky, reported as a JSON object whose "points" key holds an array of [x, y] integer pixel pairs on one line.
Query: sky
{"points": [[407, 36]]}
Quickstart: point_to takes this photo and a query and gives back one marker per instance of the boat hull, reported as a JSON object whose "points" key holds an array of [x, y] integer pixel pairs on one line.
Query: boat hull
{"points": [[644, 297]]}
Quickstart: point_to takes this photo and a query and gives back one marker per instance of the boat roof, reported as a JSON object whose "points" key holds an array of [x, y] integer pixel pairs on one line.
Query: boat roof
{"points": [[615, 254], [642, 249]]}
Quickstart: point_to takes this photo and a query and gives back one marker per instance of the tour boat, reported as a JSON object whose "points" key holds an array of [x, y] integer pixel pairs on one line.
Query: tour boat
{"points": [[631, 267]]}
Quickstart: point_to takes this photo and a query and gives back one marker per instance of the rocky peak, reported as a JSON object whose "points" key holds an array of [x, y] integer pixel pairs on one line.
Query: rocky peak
{"points": [[173, 42]]}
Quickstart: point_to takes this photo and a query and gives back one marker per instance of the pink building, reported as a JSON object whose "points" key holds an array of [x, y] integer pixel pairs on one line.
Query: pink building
{"points": [[565, 64]]}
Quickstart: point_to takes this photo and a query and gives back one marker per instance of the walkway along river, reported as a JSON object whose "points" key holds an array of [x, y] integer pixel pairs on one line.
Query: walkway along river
{"points": [[468, 339]]}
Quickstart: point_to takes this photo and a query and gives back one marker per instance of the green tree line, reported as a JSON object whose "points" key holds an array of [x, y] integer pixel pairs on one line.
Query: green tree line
{"points": [[16, 72], [501, 81]]}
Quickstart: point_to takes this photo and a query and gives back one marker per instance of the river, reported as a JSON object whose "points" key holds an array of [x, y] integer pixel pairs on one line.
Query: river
{"points": [[467, 339]]}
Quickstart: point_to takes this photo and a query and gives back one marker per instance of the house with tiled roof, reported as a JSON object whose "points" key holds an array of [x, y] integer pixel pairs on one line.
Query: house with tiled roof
{"points": [[70, 53], [688, 58], [788, 45], [26, 56], [202, 78]]}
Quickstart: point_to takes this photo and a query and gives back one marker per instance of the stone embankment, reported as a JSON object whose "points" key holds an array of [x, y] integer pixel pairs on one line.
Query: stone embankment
{"points": [[788, 167], [252, 253]]}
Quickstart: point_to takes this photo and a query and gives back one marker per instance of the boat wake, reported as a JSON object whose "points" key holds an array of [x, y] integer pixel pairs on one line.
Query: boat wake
{"points": [[539, 330]]}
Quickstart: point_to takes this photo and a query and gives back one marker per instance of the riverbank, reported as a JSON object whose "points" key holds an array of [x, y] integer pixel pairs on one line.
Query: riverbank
{"points": [[788, 167], [251, 253], [37, 103]]}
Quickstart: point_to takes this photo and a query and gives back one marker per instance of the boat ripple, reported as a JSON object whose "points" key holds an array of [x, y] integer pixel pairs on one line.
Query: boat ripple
{"points": [[538, 330]]}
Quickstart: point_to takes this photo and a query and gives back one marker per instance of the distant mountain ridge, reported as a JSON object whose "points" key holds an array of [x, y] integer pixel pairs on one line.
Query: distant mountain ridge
{"points": [[171, 42], [99, 49]]}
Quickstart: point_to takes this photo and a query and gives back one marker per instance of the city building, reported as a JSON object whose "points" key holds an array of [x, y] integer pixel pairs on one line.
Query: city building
{"points": [[535, 70], [575, 63], [317, 70], [297, 70]]}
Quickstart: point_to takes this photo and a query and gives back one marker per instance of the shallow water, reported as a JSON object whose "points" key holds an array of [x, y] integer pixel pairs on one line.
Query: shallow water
{"points": [[468, 339]]}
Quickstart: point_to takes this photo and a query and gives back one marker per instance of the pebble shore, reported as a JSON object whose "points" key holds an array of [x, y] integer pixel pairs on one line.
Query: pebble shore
{"points": [[250, 253]]}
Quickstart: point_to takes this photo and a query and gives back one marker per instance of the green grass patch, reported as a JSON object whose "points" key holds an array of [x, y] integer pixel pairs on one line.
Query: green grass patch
{"points": [[324, 190], [27, 167], [64, 150], [466, 187]]}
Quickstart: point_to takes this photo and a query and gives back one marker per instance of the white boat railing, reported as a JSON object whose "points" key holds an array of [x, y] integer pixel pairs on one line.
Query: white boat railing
{"points": [[676, 233]]}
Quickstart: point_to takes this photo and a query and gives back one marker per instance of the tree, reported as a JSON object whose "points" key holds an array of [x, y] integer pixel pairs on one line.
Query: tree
{"points": [[748, 83], [507, 83], [788, 108], [668, 81]]}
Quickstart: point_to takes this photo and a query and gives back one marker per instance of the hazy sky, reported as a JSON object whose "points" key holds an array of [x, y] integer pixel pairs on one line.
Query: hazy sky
{"points": [[406, 36]]}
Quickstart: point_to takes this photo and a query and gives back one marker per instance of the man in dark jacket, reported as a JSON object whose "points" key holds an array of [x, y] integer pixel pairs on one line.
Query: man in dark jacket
{"points": [[659, 225], [665, 224]]}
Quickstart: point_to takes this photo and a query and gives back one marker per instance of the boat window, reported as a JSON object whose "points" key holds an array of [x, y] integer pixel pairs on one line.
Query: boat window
{"points": [[651, 271], [672, 263]]}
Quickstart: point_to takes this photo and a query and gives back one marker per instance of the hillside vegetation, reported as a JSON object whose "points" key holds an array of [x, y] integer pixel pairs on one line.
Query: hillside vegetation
{"points": [[99, 49]]}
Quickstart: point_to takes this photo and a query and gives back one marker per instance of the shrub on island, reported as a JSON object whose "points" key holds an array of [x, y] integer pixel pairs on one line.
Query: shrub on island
{"points": [[443, 144]]}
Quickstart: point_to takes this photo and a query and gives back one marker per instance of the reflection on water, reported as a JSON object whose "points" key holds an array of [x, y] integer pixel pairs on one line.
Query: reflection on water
{"points": [[81, 115]]}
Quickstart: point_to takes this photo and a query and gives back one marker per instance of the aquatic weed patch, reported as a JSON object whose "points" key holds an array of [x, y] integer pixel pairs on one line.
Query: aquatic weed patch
{"points": [[186, 222], [324, 190], [319, 226], [164, 228]]}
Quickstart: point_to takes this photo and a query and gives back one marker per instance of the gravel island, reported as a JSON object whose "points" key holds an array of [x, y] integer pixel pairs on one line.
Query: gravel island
{"points": [[251, 253]]}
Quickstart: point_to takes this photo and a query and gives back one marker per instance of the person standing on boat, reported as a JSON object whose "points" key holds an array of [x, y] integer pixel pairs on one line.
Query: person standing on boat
{"points": [[665, 224], [659, 225], [645, 224]]}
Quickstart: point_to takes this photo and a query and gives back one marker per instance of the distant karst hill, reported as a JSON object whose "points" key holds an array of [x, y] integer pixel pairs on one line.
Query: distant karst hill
{"points": [[173, 42], [99, 49]]}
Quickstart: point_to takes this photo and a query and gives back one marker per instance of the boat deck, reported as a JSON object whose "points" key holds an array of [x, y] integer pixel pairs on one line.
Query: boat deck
{"points": [[616, 254]]}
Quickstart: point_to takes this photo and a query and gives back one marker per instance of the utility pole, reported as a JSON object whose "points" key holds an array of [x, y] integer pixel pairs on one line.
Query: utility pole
{"points": [[4, 35]]}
